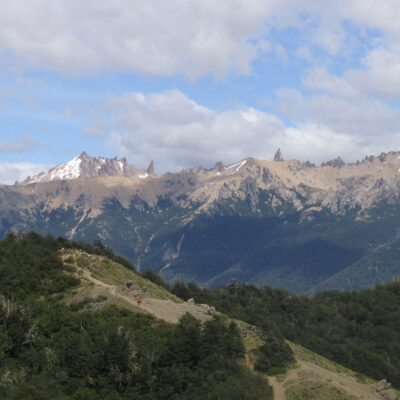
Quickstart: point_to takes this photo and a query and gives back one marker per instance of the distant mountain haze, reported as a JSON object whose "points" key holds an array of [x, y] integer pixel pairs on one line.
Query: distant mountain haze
{"points": [[288, 224]]}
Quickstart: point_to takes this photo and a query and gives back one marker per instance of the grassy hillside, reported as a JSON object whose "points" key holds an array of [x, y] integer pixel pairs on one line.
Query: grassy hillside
{"points": [[360, 330], [71, 329], [315, 377], [49, 350]]}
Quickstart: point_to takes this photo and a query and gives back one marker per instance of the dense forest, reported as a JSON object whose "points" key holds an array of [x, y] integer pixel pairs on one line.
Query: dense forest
{"points": [[49, 350], [360, 330]]}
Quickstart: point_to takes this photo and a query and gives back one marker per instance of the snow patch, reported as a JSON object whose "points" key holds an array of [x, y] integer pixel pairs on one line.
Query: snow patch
{"points": [[70, 170], [236, 166], [144, 176], [37, 178]]}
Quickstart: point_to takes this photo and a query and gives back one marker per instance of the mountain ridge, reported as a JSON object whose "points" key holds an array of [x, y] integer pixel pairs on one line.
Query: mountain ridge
{"points": [[85, 166], [288, 224]]}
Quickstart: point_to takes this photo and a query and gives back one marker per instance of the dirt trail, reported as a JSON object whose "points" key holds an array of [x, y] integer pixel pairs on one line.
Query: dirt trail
{"points": [[277, 387], [170, 311], [166, 310]]}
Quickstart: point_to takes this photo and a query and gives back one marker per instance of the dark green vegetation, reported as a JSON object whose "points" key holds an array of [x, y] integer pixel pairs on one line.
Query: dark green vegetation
{"points": [[273, 355], [302, 256], [269, 251], [360, 330], [280, 248], [51, 351]]}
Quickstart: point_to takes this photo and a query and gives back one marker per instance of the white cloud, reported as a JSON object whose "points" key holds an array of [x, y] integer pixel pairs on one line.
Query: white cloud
{"points": [[380, 15], [319, 79], [11, 172], [367, 120], [153, 37], [380, 76], [193, 38], [21, 145], [318, 143], [178, 133]]}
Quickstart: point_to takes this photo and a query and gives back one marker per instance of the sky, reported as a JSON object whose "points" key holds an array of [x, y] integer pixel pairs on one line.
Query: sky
{"points": [[189, 83]]}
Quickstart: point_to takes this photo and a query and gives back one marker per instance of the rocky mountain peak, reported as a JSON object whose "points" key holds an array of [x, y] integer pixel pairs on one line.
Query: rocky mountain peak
{"points": [[85, 166], [278, 155]]}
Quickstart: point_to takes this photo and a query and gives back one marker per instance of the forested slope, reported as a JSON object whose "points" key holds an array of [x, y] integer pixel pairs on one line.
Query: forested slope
{"points": [[360, 330], [49, 350]]}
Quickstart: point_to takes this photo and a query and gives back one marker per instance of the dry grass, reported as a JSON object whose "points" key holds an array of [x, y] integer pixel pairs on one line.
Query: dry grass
{"points": [[302, 353], [113, 273], [310, 387]]}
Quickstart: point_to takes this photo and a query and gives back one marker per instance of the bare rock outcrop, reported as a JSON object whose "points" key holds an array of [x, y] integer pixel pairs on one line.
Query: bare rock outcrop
{"points": [[204, 309], [151, 168], [219, 166], [278, 155], [384, 389], [336, 163], [249, 186]]}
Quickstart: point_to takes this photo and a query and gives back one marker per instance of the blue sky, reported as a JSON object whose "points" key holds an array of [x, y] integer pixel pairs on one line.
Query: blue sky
{"points": [[189, 83]]}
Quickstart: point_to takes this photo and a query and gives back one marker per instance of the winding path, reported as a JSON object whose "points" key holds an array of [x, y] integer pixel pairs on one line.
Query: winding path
{"points": [[166, 310], [277, 387]]}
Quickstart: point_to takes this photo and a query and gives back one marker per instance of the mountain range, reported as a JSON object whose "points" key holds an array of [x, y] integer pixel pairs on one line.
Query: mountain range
{"points": [[288, 224]]}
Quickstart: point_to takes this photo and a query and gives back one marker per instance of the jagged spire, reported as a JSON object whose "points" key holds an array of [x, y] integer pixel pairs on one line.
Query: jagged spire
{"points": [[278, 155], [151, 168]]}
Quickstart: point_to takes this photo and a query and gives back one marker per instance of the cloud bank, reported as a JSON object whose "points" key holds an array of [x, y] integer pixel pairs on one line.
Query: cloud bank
{"points": [[177, 132], [193, 38], [158, 38]]}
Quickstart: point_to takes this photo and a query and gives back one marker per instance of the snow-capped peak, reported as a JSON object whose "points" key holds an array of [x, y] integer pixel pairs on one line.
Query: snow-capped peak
{"points": [[84, 166], [69, 170]]}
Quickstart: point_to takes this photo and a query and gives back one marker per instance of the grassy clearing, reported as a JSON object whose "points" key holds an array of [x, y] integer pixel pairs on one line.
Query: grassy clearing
{"points": [[302, 353], [310, 385], [113, 273], [313, 390]]}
